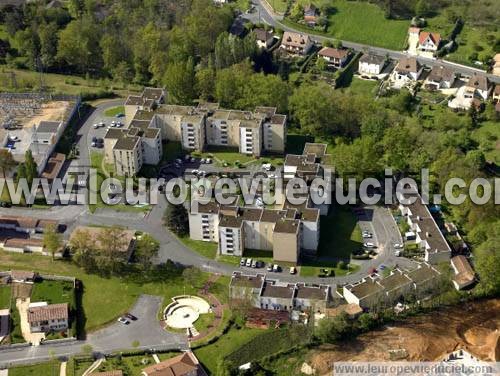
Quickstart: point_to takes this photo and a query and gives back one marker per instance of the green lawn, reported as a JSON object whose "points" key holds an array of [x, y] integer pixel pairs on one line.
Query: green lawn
{"points": [[4, 296], [207, 249], [104, 299], [43, 369], [204, 322], [211, 354], [359, 86], [74, 85], [278, 5], [340, 233], [53, 292], [113, 111], [315, 271], [362, 22]]}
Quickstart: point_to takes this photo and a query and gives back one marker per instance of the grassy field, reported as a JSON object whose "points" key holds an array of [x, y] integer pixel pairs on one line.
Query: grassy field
{"points": [[113, 111], [278, 5], [58, 83], [207, 249], [4, 297], [53, 292], [210, 355], [43, 369], [362, 22], [104, 299], [359, 86]]}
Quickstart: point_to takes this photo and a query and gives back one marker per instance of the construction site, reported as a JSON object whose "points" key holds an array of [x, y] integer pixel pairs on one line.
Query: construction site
{"points": [[34, 121]]}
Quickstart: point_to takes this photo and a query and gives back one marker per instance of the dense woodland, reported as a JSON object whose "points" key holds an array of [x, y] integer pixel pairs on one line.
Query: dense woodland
{"points": [[184, 45]]}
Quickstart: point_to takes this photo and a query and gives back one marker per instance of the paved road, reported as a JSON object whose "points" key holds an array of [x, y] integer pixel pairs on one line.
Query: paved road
{"points": [[263, 13], [116, 337]]}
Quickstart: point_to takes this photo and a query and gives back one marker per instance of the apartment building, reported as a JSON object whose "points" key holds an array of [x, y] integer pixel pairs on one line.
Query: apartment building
{"points": [[425, 231], [140, 142], [43, 317], [374, 291], [275, 295]]}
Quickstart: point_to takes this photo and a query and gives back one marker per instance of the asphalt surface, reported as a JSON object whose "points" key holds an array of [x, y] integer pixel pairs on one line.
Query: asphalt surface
{"points": [[263, 13], [146, 330]]}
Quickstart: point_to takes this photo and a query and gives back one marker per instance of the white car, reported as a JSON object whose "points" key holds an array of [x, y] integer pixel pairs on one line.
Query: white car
{"points": [[367, 234], [249, 262], [208, 160], [293, 270], [397, 253], [276, 268], [123, 320], [398, 246], [102, 124], [96, 126], [369, 245]]}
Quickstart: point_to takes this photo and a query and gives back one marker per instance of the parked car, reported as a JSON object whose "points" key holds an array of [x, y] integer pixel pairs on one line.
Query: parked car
{"points": [[369, 245], [120, 114], [192, 160], [249, 262], [96, 126], [123, 320], [208, 160], [398, 246], [130, 316], [260, 264], [367, 234], [94, 139], [269, 267], [397, 253], [276, 268], [293, 270], [179, 161], [254, 263], [243, 262]]}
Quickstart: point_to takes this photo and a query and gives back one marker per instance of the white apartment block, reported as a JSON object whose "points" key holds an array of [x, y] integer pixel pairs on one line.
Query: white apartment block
{"points": [[426, 231], [275, 295], [374, 291], [196, 128]]}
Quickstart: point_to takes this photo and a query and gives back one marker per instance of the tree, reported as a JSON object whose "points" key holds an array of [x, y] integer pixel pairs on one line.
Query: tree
{"points": [[48, 44], [52, 240], [31, 167], [111, 245], [487, 259], [205, 83], [6, 161], [192, 276], [176, 219], [146, 249], [330, 330], [180, 81], [29, 46], [83, 245], [422, 8]]}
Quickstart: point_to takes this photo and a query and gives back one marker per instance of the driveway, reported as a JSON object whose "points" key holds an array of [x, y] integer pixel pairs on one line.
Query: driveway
{"points": [[146, 330]]}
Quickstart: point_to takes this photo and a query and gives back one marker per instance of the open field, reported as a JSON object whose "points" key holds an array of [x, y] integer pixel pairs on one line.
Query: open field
{"points": [[210, 355], [42, 369], [113, 111], [207, 249], [362, 22], [106, 298], [25, 80]]}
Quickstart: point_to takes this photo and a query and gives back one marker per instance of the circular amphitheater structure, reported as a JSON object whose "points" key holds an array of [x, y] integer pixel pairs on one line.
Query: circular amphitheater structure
{"points": [[184, 310]]}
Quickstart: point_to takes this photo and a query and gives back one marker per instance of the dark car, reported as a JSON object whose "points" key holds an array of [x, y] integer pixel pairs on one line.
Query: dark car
{"points": [[130, 316]]}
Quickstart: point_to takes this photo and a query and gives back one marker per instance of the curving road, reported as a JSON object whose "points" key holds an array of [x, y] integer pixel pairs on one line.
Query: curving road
{"points": [[264, 13]]}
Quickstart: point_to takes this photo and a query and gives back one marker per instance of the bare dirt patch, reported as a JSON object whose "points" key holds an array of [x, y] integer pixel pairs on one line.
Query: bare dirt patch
{"points": [[21, 290], [474, 327]]}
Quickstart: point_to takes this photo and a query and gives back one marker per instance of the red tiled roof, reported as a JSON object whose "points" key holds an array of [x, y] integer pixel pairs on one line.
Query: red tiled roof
{"points": [[336, 53], [185, 364], [435, 37], [48, 312]]}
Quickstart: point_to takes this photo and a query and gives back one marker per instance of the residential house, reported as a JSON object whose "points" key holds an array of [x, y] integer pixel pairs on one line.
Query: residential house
{"points": [[371, 65], [23, 276], [295, 43], [53, 167], [496, 94], [23, 245], [373, 291], [464, 274], [127, 238], [185, 364], [263, 37], [43, 317], [25, 225], [423, 43], [336, 57], [426, 231], [440, 78], [496, 65], [310, 15], [478, 86], [407, 72], [272, 294]]}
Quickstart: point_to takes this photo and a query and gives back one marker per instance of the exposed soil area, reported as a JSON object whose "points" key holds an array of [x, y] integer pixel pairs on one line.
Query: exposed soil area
{"points": [[474, 327]]}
